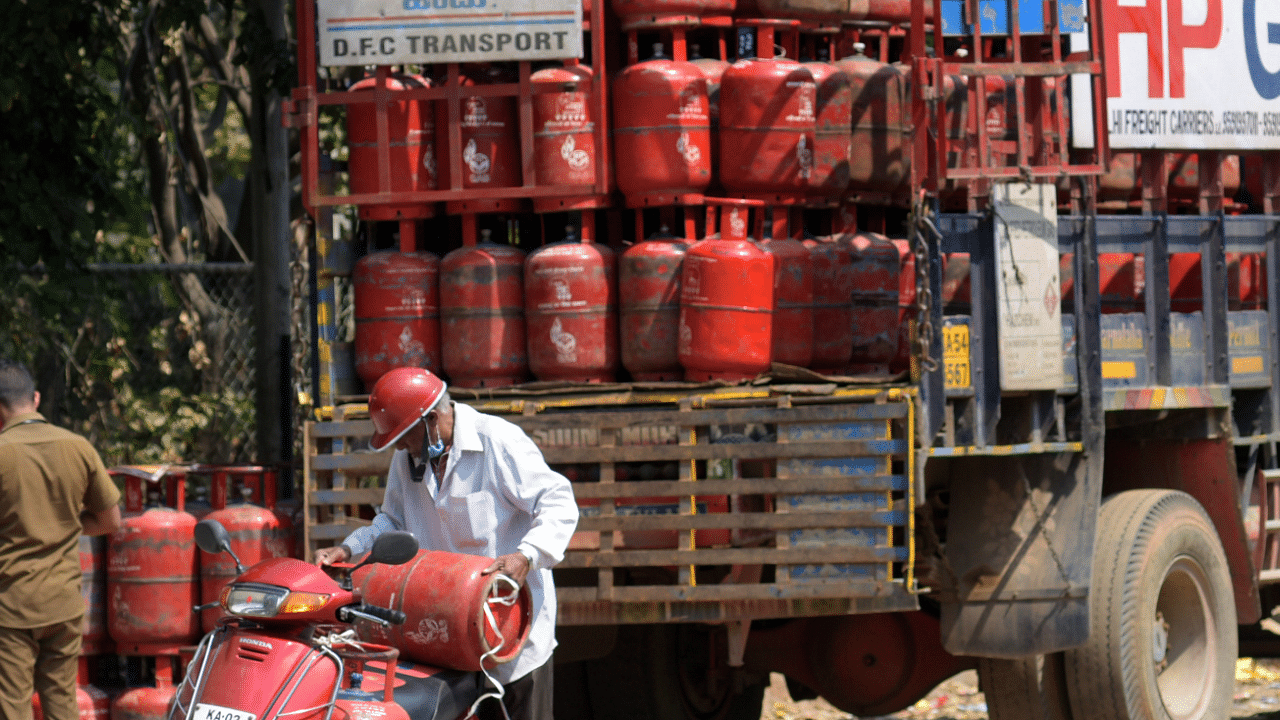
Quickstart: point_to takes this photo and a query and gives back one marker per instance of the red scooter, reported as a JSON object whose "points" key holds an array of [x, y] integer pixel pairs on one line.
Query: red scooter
{"points": [[287, 649]]}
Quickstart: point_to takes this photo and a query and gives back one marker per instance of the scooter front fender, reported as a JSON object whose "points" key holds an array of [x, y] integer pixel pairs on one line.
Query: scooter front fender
{"points": [[238, 674]]}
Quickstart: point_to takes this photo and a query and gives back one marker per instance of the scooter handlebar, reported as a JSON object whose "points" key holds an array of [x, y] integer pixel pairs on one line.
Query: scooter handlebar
{"points": [[382, 616]]}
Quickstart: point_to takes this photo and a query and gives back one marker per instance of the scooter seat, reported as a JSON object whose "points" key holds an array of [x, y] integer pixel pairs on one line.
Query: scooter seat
{"points": [[428, 693]]}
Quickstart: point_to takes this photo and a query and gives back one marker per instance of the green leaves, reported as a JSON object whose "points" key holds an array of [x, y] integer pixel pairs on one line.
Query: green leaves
{"points": [[60, 146], [120, 123]]}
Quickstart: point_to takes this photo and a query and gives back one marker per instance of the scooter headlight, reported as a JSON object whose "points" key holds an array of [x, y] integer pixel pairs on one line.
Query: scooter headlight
{"points": [[255, 600]]}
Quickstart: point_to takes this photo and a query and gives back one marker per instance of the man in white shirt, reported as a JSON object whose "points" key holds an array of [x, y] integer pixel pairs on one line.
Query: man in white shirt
{"points": [[465, 482]]}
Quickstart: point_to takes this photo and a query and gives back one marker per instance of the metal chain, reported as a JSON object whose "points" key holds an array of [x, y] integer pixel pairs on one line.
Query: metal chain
{"points": [[923, 340], [1035, 508], [925, 522]]}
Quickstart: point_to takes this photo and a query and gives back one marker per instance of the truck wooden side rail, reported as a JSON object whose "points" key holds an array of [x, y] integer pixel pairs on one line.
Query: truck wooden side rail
{"points": [[811, 517]]}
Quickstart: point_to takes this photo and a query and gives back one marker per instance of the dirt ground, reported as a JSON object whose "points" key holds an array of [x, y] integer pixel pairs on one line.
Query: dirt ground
{"points": [[1257, 697]]}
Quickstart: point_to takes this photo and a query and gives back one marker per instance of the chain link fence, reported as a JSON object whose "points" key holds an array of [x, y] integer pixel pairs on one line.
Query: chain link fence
{"points": [[180, 348]]}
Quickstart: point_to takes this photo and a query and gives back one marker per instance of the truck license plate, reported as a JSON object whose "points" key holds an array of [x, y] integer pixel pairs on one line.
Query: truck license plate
{"points": [[217, 712]]}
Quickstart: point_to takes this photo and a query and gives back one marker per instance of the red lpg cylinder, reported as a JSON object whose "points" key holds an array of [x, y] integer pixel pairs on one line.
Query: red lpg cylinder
{"points": [[147, 703], [876, 278], [366, 693], [767, 126], [256, 534], [1184, 177], [906, 304], [91, 704], [793, 326], [357, 706], [633, 12], [198, 505], [1121, 185], [726, 310], [832, 141], [490, 144], [832, 265], [713, 70], [564, 141], [397, 313], [152, 582], [1253, 280], [662, 133], [482, 311], [649, 300], [1246, 282], [880, 158], [93, 587], [895, 11], [443, 596], [571, 312], [411, 152], [1000, 105], [956, 295], [1121, 281]]}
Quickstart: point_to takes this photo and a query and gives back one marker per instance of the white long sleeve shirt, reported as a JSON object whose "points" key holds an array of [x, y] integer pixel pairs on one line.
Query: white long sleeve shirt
{"points": [[497, 497]]}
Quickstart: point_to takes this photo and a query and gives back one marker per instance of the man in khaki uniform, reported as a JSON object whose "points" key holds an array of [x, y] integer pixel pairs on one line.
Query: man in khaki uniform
{"points": [[53, 487]]}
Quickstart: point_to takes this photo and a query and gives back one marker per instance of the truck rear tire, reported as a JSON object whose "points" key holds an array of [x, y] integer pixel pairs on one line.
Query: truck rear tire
{"points": [[1163, 639], [1031, 688], [673, 672]]}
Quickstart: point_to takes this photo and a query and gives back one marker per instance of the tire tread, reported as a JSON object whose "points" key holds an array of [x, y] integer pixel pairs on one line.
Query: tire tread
{"points": [[1103, 676]]}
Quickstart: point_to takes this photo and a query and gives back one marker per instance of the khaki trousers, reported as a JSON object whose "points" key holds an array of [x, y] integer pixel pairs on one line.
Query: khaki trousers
{"points": [[40, 660]]}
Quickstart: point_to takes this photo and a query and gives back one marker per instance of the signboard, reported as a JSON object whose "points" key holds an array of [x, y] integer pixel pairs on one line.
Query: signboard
{"points": [[1028, 298], [392, 32], [994, 17], [1192, 74]]}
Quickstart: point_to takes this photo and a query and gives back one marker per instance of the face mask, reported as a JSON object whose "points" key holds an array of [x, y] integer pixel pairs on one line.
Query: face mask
{"points": [[431, 449], [435, 449]]}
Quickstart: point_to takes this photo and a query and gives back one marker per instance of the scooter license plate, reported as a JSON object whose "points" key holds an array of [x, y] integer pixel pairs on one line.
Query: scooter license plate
{"points": [[217, 712]]}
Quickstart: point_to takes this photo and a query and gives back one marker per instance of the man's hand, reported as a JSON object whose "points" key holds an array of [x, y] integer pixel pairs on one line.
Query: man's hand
{"points": [[514, 566], [331, 555]]}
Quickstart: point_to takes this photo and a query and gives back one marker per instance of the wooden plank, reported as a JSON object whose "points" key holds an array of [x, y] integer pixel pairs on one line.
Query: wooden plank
{"points": [[337, 531], [798, 485], [794, 485], [353, 464], [606, 541], [834, 588], [746, 521], [687, 574], [308, 521], [352, 496], [722, 611], [849, 411], [342, 429], [734, 556], [745, 451]]}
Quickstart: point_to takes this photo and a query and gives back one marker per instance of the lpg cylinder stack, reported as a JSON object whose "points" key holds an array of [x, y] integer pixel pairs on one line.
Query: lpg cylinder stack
{"points": [[142, 584], [746, 172], [153, 585]]}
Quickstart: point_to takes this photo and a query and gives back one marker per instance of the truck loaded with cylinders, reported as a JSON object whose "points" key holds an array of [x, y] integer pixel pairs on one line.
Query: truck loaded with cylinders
{"points": [[879, 340]]}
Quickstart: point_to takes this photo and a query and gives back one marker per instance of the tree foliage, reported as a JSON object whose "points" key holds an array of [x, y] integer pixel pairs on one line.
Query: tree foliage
{"points": [[64, 153], [132, 129]]}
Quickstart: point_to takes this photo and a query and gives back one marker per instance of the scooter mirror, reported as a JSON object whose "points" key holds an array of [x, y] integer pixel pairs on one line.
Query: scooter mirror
{"points": [[393, 548], [212, 537]]}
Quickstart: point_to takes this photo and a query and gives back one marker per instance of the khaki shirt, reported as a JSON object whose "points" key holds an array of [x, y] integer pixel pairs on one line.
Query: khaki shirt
{"points": [[48, 477]]}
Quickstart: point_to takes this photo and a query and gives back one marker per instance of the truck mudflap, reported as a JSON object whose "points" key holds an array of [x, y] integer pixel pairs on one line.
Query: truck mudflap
{"points": [[1019, 549]]}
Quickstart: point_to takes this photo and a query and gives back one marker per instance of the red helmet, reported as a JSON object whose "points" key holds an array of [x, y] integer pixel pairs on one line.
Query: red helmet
{"points": [[399, 400]]}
